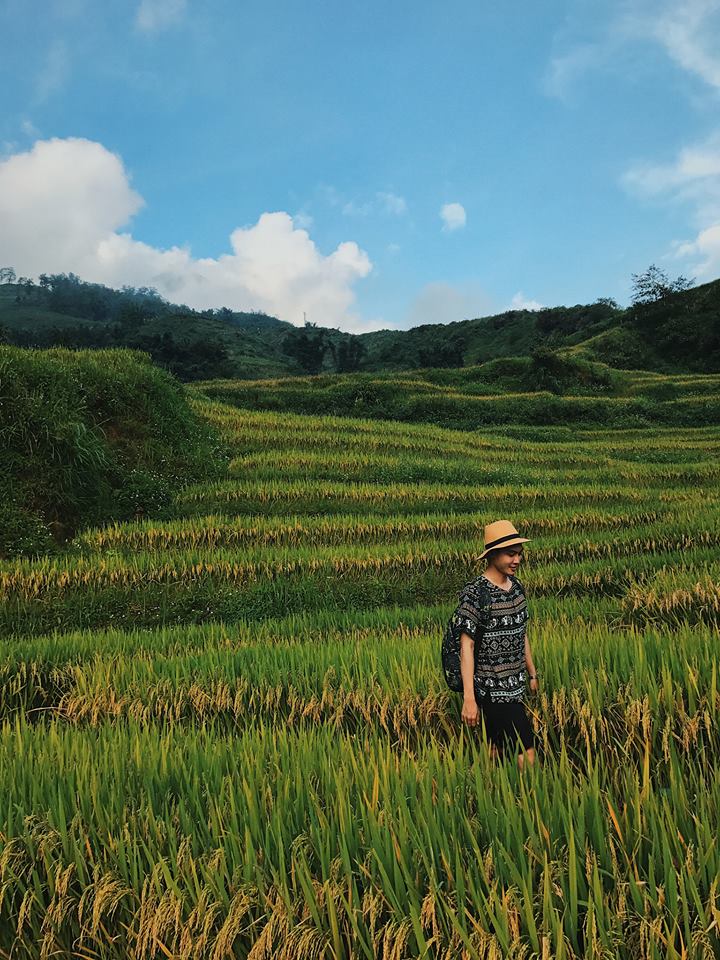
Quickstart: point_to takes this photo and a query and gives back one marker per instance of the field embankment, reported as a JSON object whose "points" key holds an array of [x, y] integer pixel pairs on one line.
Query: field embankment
{"points": [[497, 394]]}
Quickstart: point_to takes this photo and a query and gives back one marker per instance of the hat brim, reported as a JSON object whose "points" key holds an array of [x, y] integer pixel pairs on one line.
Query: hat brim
{"points": [[509, 543]]}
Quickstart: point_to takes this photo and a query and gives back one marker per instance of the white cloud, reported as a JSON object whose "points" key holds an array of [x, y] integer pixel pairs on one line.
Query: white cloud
{"points": [[706, 246], [54, 73], [521, 302], [382, 202], [444, 303], [354, 209], [29, 129], [154, 15], [692, 178], [303, 220], [63, 204], [453, 216], [690, 32], [392, 203], [692, 165], [564, 69], [58, 201]]}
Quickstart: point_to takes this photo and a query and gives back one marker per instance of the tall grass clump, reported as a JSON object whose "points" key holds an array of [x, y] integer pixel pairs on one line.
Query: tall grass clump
{"points": [[89, 436]]}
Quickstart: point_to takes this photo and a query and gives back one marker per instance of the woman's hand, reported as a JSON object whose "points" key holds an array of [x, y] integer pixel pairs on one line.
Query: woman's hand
{"points": [[534, 685], [470, 712]]}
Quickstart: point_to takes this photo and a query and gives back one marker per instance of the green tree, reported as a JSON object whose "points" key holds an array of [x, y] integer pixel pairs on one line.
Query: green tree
{"points": [[348, 355], [307, 345], [448, 354], [654, 285], [131, 316], [608, 302]]}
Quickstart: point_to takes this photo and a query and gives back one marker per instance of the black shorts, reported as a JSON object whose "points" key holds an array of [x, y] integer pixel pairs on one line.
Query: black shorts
{"points": [[506, 723]]}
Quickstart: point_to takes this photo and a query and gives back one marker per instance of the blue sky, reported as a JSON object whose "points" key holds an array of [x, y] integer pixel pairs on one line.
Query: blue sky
{"points": [[362, 165]]}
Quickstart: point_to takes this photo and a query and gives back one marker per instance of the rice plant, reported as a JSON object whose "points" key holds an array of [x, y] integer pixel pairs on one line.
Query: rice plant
{"points": [[225, 734]]}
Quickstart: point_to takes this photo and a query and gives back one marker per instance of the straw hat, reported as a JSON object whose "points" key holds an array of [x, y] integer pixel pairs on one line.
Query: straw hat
{"points": [[501, 533]]}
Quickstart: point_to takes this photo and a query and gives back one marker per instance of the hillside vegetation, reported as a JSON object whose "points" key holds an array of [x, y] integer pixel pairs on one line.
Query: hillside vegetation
{"points": [[64, 311], [677, 332], [90, 436], [540, 390], [226, 733]]}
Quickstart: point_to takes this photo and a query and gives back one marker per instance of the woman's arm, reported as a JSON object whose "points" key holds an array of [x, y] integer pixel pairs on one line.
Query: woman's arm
{"points": [[467, 671], [530, 665]]}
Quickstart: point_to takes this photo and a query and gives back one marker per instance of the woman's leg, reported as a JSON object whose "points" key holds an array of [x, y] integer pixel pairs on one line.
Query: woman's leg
{"points": [[507, 726], [523, 733], [488, 728]]}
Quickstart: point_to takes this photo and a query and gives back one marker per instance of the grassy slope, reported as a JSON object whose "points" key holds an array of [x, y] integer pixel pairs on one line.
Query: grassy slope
{"points": [[90, 436], [30, 316], [499, 392], [235, 733]]}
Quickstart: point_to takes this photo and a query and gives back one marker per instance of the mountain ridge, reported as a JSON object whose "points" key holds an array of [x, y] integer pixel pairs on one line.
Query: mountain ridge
{"points": [[677, 333]]}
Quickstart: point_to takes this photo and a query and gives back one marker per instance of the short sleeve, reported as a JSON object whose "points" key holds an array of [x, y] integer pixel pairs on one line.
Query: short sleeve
{"points": [[471, 614]]}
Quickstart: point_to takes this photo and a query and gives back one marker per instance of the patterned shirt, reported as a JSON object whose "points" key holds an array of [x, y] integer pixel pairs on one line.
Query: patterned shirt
{"points": [[498, 618]]}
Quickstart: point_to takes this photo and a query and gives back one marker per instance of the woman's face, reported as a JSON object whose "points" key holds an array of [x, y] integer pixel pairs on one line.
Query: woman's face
{"points": [[507, 561]]}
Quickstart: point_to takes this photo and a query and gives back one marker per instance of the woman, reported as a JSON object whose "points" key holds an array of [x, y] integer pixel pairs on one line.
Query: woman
{"points": [[492, 615]]}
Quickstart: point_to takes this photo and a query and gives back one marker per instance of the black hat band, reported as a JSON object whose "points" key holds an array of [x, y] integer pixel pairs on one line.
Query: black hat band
{"points": [[510, 536]]}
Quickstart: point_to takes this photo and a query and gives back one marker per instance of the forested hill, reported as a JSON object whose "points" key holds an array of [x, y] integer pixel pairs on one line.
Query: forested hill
{"points": [[668, 329]]}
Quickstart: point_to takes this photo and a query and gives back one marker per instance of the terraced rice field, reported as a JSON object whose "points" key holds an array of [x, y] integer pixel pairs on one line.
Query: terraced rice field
{"points": [[225, 734]]}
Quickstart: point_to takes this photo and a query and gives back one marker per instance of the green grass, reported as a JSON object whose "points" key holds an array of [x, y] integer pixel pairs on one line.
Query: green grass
{"points": [[91, 436], [225, 733], [466, 400]]}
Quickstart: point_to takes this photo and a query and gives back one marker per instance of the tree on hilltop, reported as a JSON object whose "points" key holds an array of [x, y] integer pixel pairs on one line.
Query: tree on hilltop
{"points": [[308, 346], [348, 354], [666, 314], [654, 285]]}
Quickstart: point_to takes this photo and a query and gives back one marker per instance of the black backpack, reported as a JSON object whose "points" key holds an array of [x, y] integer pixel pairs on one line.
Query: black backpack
{"points": [[479, 595]]}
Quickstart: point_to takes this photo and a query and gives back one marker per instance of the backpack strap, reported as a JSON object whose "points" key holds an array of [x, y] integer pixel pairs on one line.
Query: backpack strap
{"points": [[480, 594]]}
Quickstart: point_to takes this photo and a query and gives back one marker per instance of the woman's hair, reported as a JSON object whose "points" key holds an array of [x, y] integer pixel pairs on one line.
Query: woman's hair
{"points": [[493, 553]]}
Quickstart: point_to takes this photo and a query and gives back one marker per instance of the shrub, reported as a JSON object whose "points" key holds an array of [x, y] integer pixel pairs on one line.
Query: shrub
{"points": [[90, 436], [22, 533], [144, 493]]}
